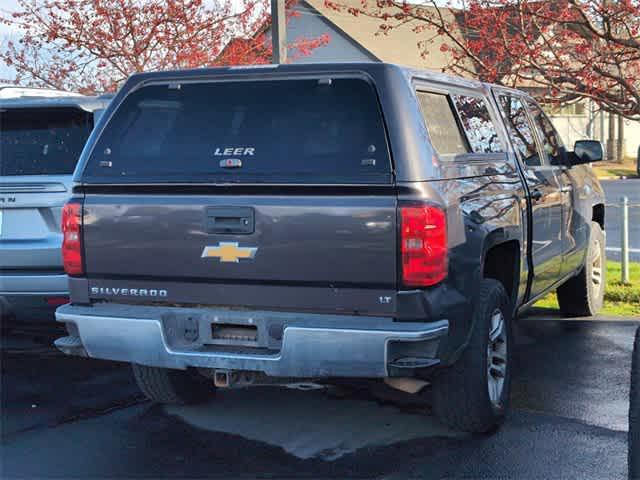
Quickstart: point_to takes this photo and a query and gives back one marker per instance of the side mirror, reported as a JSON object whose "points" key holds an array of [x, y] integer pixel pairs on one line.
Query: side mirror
{"points": [[586, 151]]}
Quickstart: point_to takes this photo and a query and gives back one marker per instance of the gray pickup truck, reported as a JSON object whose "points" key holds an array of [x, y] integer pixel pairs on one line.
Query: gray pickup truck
{"points": [[326, 221]]}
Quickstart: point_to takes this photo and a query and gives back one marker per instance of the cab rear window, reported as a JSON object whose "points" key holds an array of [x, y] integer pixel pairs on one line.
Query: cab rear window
{"points": [[42, 141], [459, 124], [290, 131]]}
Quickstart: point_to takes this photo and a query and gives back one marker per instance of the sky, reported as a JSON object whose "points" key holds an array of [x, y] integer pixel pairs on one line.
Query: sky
{"points": [[7, 33]]}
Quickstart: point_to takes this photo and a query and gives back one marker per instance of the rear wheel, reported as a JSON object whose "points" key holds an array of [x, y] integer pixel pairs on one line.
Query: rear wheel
{"points": [[583, 295], [164, 385], [473, 395]]}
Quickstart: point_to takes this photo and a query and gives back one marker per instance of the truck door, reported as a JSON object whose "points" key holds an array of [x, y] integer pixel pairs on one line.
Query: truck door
{"points": [[574, 228], [544, 189]]}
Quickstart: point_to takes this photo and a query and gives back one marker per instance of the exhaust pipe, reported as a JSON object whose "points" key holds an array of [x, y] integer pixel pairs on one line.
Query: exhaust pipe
{"points": [[222, 378], [408, 385]]}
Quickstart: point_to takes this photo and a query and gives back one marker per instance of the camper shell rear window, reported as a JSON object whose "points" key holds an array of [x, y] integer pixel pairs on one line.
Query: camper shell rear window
{"points": [[327, 130]]}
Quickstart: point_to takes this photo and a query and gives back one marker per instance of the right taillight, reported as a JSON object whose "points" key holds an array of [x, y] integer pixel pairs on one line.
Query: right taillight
{"points": [[423, 245], [72, 238]]}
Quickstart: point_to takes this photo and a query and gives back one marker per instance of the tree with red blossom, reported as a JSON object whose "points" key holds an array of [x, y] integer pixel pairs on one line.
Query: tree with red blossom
{"points": [[562, 50], [94, 45]]}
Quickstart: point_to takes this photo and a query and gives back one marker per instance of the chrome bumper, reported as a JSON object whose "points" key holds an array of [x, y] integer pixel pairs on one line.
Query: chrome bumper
{"points": [[310, 345]]}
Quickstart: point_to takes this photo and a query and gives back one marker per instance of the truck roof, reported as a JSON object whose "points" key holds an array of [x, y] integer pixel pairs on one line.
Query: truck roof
{"points": [[86, 103], [17, 91], [305, 68]]}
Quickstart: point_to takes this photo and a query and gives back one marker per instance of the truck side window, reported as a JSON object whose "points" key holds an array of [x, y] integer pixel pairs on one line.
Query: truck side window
{"points": [[441, 123], [519, 128], [553, 147], [478, 126]]}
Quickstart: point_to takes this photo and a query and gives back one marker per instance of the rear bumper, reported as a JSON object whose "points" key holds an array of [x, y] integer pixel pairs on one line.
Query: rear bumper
{"points": [[37, 284], [289, 345]]}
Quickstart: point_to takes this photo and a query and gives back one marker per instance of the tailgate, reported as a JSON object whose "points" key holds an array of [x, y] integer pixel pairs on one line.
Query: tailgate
{"points": [[30, 209], [308, 240]]}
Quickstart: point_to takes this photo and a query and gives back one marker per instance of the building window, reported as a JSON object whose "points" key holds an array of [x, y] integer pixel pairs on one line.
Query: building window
{"points": [[577, 109]]}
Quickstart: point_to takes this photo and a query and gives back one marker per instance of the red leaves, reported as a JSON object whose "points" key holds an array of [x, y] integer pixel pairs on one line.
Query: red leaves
{"points": [[560, 49], [94, 45]]}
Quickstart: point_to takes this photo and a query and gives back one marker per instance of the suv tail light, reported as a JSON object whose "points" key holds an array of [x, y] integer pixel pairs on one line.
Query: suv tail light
{"points": [[423, 245], [72, 238]]}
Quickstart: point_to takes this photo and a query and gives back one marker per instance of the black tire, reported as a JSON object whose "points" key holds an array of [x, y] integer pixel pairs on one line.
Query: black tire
{"points": [[634, 411], [168, 386], [579, 297], [460, 394]]}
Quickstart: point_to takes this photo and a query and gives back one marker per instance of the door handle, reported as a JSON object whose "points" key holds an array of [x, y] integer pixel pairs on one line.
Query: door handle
{"points": [[230, 220], [566, 189], [536, 195]]}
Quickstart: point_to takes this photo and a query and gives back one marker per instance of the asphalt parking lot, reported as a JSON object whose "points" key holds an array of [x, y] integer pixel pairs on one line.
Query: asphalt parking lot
{"points": [[78, 418]]}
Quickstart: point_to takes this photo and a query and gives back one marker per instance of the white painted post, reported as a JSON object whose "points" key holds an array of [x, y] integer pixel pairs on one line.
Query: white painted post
{"points": [[625, 239]]}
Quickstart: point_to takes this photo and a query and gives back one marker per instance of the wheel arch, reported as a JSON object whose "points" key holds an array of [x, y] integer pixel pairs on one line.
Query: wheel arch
{"points": [[488, 262], [598, 214], [499, 251]]}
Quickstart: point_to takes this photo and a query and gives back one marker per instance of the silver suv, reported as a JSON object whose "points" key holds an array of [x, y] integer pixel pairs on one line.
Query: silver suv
{"points": [[41, 138]]}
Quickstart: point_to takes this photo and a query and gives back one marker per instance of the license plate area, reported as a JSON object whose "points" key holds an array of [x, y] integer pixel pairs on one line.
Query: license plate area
{"points": [[238, 330], [234, 334], [198, 329]]}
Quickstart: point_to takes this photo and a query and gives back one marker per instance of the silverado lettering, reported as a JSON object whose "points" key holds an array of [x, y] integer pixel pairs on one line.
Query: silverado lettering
{"points": [[132, 292]]}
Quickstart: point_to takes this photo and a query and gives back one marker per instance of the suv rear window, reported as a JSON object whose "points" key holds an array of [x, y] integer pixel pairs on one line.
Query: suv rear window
{"points": [[302, 131], [42, 141]]}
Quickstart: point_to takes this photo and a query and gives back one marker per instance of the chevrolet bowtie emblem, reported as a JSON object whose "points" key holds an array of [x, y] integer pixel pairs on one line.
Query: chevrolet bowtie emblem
{"points": [[229, 252]]}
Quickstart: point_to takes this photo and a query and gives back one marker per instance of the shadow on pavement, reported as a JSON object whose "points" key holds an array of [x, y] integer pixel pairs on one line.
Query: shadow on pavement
{"points": [[569, 420], [42, 388]]}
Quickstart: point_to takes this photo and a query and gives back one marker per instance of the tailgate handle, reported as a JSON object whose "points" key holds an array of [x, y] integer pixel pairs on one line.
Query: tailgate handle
{"points": [[231, 220]]}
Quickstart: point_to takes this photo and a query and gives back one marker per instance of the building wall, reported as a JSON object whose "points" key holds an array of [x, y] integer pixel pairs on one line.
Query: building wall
{"points": [[582, 127], [310, 24]]}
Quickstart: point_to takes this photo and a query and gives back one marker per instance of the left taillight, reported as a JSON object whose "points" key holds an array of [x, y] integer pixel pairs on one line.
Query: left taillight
{"points": [[72, 238], [423, 245]]}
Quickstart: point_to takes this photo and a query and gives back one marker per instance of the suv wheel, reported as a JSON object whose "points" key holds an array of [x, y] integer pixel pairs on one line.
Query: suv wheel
{"points": [[583, 295], [169, 386], [473, 394]]}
